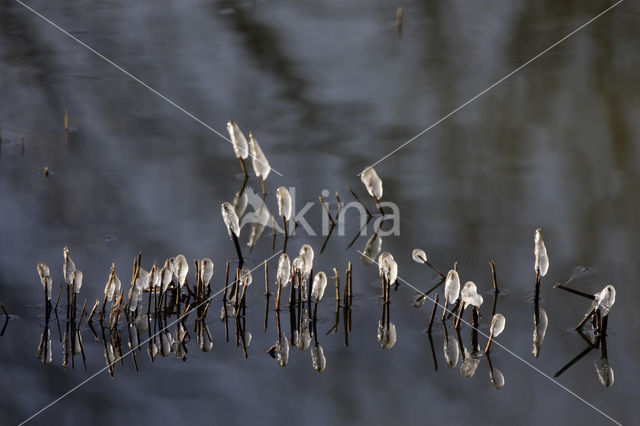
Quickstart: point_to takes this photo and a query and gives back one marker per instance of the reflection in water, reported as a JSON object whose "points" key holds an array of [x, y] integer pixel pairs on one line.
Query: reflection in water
{"points": [[604, 371], [272, 53], [7, 317], [168, 294], [388, 269], [469, 363], [371, 249], [303, 324], [317, 358], [44, 352], [205, 341], [601, 304], [540, 323], [387, 335], [451, 348], [495, 375]]}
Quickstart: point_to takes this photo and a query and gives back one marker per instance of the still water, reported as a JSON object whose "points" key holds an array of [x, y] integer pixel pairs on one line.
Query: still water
{"points": [[327, 88]]}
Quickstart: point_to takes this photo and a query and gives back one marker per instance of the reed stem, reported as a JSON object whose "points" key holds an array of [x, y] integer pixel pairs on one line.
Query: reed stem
{"points": [[264, 190], [84, 307], [361, 203], [58, 298], [238, 251], [286, 234], [486, 349], [460, 312], [446, 305], [93, 310], [493, 276], [244, 168], [588, 315], [326, 209], [574, 291]]}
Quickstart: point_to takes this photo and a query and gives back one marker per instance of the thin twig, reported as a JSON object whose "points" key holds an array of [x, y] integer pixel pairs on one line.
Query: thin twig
{"points": [[588, 315], [326, 209], [93, 310], [493, 276], [339, 205], [574, 291], [84, 307], [358, 200], [58, 298]]}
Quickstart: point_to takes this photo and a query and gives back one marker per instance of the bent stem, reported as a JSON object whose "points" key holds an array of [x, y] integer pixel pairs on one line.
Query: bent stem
{"points": [[588, 315], [361, 203], [244, 168]]}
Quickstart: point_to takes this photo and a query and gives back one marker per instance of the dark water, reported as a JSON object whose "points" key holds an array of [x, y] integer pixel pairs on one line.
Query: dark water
{"points": [[327, 88]]}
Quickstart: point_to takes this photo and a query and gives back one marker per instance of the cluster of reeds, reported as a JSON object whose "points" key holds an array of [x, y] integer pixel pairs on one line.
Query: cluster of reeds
{"points": [[154, 296], [598, 313], [161, 292], [306, 289]]}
